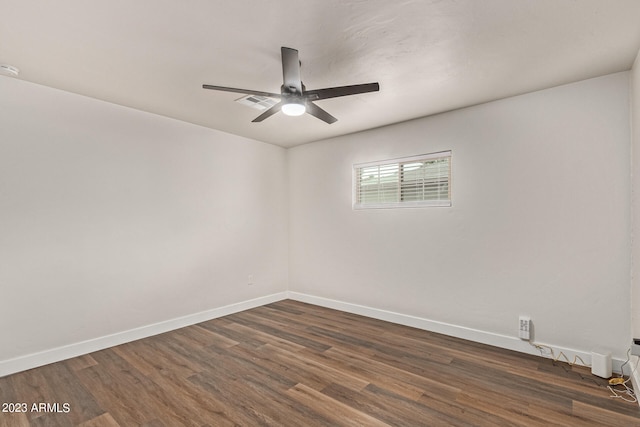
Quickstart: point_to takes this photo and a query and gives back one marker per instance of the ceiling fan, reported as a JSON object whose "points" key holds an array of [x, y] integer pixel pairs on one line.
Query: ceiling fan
{"points": [[295, 99]]}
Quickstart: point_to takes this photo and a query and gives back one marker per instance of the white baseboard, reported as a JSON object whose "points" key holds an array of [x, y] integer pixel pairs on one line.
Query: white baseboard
{"points": [[30, 361], [496, 340]]}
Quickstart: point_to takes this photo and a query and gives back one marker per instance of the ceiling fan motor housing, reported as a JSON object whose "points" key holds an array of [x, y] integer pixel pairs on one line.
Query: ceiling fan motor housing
{"points": [[292, 90]]}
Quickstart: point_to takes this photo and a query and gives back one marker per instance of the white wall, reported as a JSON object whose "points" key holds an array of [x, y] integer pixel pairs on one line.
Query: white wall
{"points": [[539, 223], [112, 219], [635, 172], [634, 91]]}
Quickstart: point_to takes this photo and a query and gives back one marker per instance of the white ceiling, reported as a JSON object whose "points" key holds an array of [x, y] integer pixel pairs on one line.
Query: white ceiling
{"points": [[428, 56]]}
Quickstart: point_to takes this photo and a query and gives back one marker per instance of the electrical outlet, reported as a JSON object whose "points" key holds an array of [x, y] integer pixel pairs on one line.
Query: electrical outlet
{"points": [[524, 328], [635, 347]]}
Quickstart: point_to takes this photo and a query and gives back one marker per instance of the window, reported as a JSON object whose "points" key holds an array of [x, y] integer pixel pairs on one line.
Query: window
{"points": [[409, 182]]}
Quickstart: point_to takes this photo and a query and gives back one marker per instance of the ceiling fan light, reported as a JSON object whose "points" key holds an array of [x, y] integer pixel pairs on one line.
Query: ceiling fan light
{"points": [[294, 108]]}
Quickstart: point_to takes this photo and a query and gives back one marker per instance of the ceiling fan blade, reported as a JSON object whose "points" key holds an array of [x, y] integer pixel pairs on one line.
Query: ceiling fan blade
{"points": [[334, 92], [291, 70], [270, 112], [319, 113], [245, 91]]}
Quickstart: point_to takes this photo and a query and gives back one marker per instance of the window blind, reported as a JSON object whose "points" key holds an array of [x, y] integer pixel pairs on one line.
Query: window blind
{"points": [[408, 182]]}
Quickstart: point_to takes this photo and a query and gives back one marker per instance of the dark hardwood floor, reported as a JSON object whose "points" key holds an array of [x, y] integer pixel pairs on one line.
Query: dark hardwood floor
{"points": [[294, 364]]}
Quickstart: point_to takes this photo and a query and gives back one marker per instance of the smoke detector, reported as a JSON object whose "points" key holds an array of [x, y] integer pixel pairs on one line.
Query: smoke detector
{"points": [[9, 70]]}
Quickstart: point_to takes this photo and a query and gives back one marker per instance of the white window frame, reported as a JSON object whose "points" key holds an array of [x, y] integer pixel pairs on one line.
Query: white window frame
{"points": [[401, 204]]}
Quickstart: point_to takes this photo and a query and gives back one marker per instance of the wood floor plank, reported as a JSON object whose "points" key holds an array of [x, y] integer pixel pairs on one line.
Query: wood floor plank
{"points": [[8, 395], [104, 420], [68, 389], [603, 416], [80, 362], [279, 330], [240, 363], [153, 355], [389, 407], [256, 402], [311, 372], [191, 402], [229, 336], [197, 337], [295, 364], [118, 390], [561, 417], [123, 387], [338, 413], [512, 415], [387, 376], [15, 419], [31, 387], [267, 338], [459, 411]]}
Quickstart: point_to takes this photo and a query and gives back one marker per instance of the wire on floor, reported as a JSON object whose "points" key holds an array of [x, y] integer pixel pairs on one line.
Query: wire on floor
{"points": [[620, 393], [623, 391], [561, 355]]}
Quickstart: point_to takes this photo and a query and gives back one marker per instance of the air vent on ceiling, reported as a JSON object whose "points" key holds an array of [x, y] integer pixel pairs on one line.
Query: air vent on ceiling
{"points": [[257, 101], [9, 70]]}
